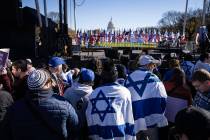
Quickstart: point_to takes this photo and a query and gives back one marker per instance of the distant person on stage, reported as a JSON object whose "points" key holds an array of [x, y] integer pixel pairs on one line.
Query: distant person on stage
{"points": [[202, 39]]}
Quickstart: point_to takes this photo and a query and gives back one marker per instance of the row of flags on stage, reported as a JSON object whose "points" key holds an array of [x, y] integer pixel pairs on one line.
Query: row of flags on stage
{"points": [[94, 37]]}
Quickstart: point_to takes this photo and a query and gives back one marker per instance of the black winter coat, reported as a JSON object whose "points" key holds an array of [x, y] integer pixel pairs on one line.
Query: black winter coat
{"points": [[23, 124]]}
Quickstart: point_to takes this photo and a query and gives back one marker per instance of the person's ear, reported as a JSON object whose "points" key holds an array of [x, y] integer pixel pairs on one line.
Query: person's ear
{"points": [[19, 70], [208, 82], [48, 84], [1, 86], [184, 137]]}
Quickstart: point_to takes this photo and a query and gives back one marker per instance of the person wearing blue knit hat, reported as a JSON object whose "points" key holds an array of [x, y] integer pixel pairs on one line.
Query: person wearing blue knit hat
{"points": [[87, 75], [78, 95]]}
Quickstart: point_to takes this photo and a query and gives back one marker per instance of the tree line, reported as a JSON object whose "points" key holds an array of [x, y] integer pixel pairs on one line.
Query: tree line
{"points": [[172, 21]]}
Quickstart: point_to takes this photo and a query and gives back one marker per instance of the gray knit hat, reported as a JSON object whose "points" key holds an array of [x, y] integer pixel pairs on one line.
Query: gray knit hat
{"points": [[37, 79]]}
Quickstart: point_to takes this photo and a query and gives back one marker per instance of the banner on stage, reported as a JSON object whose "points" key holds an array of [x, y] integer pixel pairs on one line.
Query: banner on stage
{"points": [[127, 44]]}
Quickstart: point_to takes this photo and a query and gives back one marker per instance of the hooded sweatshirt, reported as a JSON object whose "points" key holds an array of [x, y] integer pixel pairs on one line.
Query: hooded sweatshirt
{"points": [[78, 95]]}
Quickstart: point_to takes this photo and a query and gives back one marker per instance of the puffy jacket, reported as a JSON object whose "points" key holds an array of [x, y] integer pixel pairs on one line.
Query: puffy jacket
{"points": [[23, 124], [5, 101]]}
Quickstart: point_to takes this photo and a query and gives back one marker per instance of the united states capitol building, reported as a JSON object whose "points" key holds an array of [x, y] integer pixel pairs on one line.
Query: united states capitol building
{"points": [[110, 26]]}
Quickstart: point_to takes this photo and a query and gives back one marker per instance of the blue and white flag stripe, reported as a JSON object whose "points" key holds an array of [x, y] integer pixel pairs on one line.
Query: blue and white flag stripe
{"points": [[143, 108], [108, 132]]}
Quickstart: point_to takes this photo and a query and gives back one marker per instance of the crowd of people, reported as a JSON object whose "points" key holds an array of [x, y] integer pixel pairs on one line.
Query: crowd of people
{"points": [[150, 99]]}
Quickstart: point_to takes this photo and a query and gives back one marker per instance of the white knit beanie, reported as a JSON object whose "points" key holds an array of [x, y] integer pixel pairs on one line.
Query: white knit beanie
{"points": [[37, 79]]}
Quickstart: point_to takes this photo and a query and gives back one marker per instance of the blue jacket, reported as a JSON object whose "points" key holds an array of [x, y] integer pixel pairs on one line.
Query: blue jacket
{"points": [[23, 124]]}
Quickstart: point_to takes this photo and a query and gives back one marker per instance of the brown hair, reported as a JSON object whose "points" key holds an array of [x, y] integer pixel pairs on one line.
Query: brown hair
{"points": [[173, 63], [201, 75], [178, 77]]}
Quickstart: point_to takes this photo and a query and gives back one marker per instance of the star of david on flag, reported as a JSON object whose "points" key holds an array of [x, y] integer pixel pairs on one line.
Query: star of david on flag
{"points": [[186, 68], [108, 101], [143, 83]]}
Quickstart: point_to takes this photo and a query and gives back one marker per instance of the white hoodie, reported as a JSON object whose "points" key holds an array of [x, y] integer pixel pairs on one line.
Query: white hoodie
{"points": [[78, 95]]}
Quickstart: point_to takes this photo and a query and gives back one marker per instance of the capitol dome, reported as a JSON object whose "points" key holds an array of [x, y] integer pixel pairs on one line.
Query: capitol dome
{"points": [[110, 26]]}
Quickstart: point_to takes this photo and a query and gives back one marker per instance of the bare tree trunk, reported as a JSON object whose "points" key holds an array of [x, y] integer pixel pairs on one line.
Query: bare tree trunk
{"points": [[75, 23]]}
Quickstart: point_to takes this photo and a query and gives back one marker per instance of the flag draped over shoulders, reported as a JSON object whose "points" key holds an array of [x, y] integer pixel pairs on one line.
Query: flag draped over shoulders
{"points": [[109, 113], [148, 96]]}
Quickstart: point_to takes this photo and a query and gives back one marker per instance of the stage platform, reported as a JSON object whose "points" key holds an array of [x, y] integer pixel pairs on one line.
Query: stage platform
{"points": [[77, 48]]}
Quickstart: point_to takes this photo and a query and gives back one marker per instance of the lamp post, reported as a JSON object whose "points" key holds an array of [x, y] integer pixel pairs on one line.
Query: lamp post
{"points": [[204, 11], [185, 17], [45, 12], [75, 24], [38, 13], [60, 16]]}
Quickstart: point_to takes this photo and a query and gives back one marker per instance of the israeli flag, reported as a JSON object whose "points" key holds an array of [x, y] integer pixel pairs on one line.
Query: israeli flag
{"points": [[188, 68], [109, 113], [148, 96]]}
